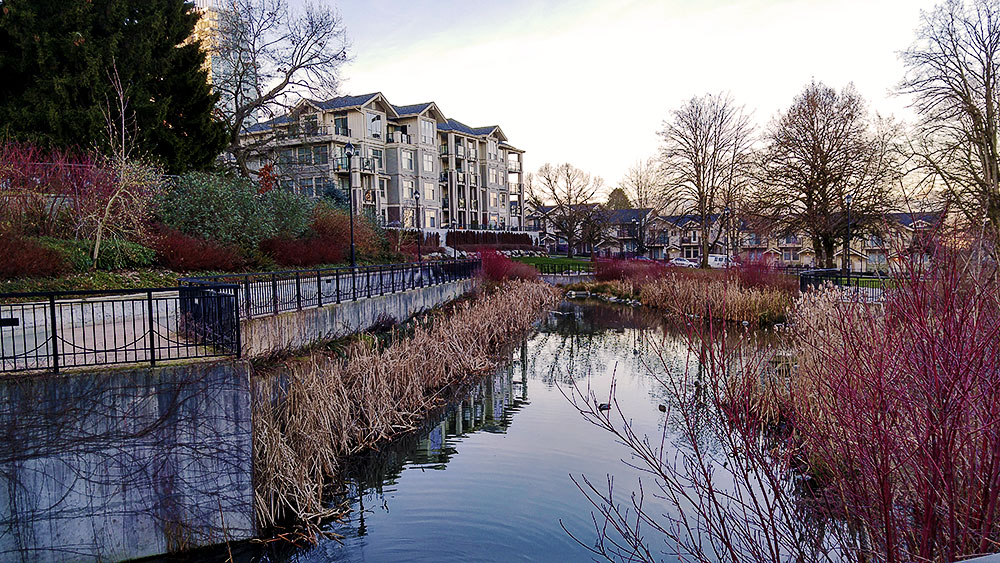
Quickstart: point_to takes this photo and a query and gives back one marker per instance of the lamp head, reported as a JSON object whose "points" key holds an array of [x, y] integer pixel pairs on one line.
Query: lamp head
{"points": [[349, 149], [849, 198]]}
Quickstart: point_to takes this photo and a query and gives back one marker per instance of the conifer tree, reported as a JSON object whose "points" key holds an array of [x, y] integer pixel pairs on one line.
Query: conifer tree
{"points": [[57, 57]]}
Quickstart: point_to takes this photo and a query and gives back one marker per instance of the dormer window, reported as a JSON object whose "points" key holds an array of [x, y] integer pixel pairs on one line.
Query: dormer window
{"points": [[374, 125]]}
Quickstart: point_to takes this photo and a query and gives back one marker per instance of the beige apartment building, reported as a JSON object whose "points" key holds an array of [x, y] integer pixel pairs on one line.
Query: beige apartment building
{"points": [[404, 157]]}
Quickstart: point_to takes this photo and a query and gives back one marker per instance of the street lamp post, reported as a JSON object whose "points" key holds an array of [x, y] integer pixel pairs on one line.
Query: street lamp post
{"points": [[847, 240], [635, 233], [420, 234], [350, 152]]}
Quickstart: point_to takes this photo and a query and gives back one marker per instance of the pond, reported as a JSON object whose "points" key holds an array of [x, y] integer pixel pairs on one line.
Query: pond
{"points": [[489, 478]]}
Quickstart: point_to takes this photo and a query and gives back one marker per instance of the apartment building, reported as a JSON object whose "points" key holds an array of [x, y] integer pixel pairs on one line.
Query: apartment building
{"points": [[405, 158]]}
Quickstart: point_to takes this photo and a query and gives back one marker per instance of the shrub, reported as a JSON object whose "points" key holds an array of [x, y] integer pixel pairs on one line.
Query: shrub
{"points": [[219, 208], [638, 272], [405, 242], [184, 253], [760, 273], [290, 212], [333, 225], [24, 257], [457, 239], [498, 268], [115, 254], [303, 252]]}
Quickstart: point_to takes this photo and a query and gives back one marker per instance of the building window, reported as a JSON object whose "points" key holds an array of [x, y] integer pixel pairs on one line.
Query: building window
{"points": [[493, 175], [407, 160], [430, 219], [428, 162], [790, 256], [427, 130], [491, 151], [693, 236], [286, 157], [692, 253], [493, 199], [321, 154], [340, 126], [407, 188], [305, 156], [374, 125], [428, 191], [377, 157]]}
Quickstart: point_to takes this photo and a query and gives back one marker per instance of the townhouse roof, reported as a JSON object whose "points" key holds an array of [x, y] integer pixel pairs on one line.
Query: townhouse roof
{"points": [[680, 220], [413, 109], [345, 102], [265, 125], [625, 216], [909, 219]]}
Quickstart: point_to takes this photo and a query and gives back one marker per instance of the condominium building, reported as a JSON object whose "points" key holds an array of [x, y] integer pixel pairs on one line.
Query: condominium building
{"points": [[461, 177]]}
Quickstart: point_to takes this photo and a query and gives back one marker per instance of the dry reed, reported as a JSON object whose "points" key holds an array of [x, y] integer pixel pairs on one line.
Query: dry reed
{"points": [[716, 298], [310, 412]]}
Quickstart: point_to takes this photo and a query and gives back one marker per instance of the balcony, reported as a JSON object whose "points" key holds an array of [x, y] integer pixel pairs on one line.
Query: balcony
{"points": [[791, 241], [397, 137], [459, 151], [689, 240], [513, 166], [443, 177], [460, 177], [473, 179], [475, 204], [368, 164], [461, 203], [473, 154], [445, 201], [444, 150], [342, 131], [341, 164]]}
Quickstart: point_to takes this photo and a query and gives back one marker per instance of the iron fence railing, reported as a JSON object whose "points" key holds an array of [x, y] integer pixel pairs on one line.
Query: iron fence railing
{"points": [[583, 268], [270, 293], [201, 318], [56, 330], [861, 286]]}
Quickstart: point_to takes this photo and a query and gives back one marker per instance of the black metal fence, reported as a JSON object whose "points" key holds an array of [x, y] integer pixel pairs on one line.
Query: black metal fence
{"points": [[51, 331], [861, 286], [55, 330], [583, 268], [270, 293]]}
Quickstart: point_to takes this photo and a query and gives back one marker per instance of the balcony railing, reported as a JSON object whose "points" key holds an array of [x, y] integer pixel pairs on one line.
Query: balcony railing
{"points": [[459, 151], [461, 203], [298, 132], [460, 177], [473, 154], [342, 131], [473, 179], [397, 137], [444, 150], [791, 241], [513, 166], [341, 164], [368, 164], [443, 178]]}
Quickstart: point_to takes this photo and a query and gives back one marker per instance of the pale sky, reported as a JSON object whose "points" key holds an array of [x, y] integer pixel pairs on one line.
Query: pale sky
{"points": [[590, 82]]}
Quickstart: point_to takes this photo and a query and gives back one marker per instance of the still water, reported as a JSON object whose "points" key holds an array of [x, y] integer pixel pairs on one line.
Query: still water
{"points": [[489, 478]]}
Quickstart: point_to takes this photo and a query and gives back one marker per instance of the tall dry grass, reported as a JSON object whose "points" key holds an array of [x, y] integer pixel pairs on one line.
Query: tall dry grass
{"points": [[716, 298], [310, 412]]}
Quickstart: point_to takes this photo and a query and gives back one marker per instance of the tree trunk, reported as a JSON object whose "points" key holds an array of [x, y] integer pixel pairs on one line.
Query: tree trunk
{"points": [[828, 247], [704, 247], [569, 247]]}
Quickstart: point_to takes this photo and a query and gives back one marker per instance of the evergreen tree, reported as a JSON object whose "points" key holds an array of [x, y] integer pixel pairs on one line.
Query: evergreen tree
{"points": [[618, 199], [59, 56]]}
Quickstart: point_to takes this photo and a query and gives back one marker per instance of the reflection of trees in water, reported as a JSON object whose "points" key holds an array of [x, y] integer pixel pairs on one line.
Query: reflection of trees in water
{"points": [[124, 464]]}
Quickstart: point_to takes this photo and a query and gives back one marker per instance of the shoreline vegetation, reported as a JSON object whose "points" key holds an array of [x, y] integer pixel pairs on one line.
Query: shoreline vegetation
{"points": [[753, 293], [310, 412]]}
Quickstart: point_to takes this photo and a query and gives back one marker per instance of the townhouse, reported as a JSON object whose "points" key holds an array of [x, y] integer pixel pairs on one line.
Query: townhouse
{"points": [[881, 246], [405, 166]]}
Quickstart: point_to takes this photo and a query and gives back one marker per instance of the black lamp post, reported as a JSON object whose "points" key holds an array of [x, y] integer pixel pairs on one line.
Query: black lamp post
{"points": [[847, 240], [420, 234], [350, 152]]}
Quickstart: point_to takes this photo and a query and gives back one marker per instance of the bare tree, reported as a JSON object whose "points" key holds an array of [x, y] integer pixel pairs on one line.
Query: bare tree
{"points": [[566, 194], [645, 184], [706, 145], [822, 153], [268, 57], [953, 70]]}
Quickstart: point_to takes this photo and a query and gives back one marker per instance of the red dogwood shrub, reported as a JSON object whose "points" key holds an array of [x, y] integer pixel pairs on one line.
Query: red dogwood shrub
{"points": [[184, 253], [22, 257], [498, 268]]}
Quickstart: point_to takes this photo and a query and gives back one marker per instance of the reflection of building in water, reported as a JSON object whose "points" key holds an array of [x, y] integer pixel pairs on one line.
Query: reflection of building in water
{"points": [[489, 406]]}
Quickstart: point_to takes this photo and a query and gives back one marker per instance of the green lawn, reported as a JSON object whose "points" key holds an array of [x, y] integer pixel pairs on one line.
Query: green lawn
{"points": [[554, 260]]}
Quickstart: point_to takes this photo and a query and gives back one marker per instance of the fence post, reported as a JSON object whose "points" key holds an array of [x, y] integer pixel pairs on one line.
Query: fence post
{"points": [[236, 319], [336, 277], [152, 334], [319, 289], [368, 281], [274, 293], [298, 290], [246, 295], [53, 334]]}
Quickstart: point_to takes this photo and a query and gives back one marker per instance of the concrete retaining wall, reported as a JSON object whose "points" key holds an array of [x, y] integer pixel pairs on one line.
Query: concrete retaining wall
{"points": [[567, 279], [117, 464], [297, 329]]}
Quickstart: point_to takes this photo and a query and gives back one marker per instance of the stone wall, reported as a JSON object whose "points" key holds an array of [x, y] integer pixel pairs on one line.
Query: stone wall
{"points": [[117, 464], [267, 335]]}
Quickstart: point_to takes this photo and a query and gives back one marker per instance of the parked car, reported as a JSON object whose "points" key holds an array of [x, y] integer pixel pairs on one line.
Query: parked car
{"points": [[683, 263], [719, 261]]}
